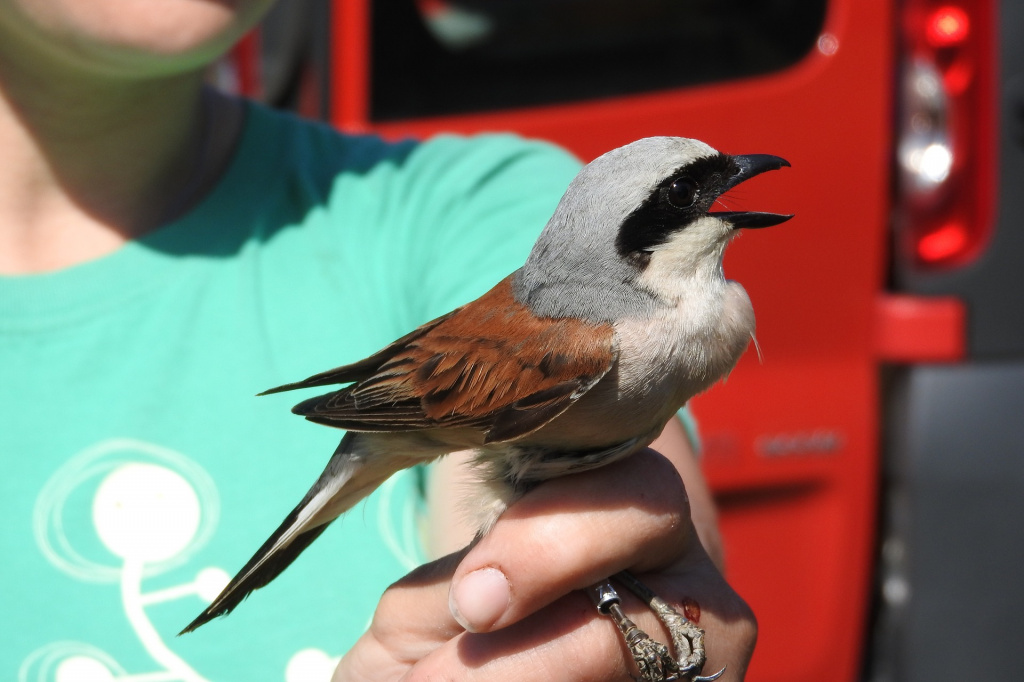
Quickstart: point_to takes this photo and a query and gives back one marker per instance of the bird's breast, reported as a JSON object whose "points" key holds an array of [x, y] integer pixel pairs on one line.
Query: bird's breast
{"points": [[683, 349], [664, 359]]}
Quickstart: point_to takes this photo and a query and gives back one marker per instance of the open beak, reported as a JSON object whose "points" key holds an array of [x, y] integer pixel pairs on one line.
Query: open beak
{"points": [[749, 166]]}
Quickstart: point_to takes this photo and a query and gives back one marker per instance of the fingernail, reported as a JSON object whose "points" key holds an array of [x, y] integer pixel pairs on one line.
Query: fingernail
{"points": [[478, 600]]}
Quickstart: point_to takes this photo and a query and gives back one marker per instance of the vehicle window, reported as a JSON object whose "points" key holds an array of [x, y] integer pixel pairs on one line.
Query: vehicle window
{"points": [[434, 57]]}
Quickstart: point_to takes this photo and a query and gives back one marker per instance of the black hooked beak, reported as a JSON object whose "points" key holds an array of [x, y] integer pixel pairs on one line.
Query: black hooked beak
{"points": [[750, 165]]}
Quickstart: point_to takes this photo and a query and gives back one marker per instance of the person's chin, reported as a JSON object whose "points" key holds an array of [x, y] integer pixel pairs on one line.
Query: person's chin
{"points": [[124, 38]]}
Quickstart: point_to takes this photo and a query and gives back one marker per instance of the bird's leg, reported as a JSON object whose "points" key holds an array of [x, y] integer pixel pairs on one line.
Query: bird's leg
{"points": [[653, 659]]}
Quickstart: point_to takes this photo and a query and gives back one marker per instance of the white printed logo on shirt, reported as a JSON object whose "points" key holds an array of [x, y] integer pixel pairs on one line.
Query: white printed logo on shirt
{"points": [[153, 509]]}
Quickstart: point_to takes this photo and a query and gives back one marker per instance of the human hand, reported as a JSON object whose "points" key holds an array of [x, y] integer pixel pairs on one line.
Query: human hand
{"points": [[521, 614]]}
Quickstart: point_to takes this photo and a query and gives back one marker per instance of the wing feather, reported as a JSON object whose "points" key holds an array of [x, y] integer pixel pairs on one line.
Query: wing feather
{"points": [[365, 368], [491, 364]]}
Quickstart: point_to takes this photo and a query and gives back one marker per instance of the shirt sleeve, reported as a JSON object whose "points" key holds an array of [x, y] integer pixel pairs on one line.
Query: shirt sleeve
{"points": [[476, 205]]}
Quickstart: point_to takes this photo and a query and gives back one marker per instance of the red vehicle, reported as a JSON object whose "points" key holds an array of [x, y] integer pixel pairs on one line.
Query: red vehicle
{"points": [[824, 454]]}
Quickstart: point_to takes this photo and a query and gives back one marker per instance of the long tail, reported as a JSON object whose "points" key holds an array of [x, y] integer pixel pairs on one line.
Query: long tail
{"points": [[344, 482]]}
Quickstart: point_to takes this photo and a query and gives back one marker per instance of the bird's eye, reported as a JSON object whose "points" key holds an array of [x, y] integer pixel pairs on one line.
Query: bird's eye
{"points": [[682, 193]]}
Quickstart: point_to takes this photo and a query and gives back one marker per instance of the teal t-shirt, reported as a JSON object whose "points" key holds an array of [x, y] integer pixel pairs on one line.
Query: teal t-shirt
{"points": [[139, 471]]}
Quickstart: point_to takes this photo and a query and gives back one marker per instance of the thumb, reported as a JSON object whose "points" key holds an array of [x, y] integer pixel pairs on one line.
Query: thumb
{"points": [[570, 533]]}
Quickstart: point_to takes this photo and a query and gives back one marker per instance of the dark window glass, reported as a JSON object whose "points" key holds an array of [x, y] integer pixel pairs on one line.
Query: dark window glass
{"points": [[434, 57]]}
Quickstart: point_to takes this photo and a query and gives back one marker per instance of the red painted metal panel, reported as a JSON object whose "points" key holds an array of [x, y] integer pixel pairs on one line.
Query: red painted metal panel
{"points": [[350, 64], [920, 329], [792, 440]]}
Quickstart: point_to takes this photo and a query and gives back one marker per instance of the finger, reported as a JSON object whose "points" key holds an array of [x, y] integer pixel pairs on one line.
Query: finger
{"points": [[411, 620], [568, 641], [570, 533], [674, 442]]}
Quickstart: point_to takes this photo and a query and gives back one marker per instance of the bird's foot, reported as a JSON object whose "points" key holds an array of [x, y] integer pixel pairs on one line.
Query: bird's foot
{"points": [[653, 659]]}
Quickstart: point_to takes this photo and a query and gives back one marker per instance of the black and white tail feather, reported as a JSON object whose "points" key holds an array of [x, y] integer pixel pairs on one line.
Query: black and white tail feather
{"points": [[301, 527]]}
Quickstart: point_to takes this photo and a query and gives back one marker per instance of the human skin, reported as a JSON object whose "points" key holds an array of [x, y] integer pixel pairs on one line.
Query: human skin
{"points": [[567, 534], [102, 114], [103, 118]]}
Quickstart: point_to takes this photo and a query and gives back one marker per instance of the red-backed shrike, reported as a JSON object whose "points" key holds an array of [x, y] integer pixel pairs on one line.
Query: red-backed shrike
{"points": [[619, 316]]}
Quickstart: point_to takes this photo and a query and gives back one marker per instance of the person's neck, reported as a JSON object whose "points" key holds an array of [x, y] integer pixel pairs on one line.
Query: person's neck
{"points": [[92, 163]]}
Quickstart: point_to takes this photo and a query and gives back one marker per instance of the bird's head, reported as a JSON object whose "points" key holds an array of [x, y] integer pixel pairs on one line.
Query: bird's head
{"points": [[635, 216]]}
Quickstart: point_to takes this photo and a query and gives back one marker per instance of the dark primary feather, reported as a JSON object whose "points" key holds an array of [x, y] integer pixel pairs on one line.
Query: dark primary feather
{"points": [[362, 369], [244, 583], [272, 558]]}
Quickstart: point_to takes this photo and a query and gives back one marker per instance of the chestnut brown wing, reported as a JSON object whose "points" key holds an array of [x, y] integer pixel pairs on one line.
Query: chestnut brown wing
{"points": [[491, 364]]}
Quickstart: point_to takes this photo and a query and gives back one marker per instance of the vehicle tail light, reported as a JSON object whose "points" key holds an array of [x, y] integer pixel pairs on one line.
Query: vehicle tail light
{"points": [[946, 133]]}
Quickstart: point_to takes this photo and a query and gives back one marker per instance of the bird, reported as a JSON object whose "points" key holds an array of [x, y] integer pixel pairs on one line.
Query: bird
{"points": [[620, 314]]}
